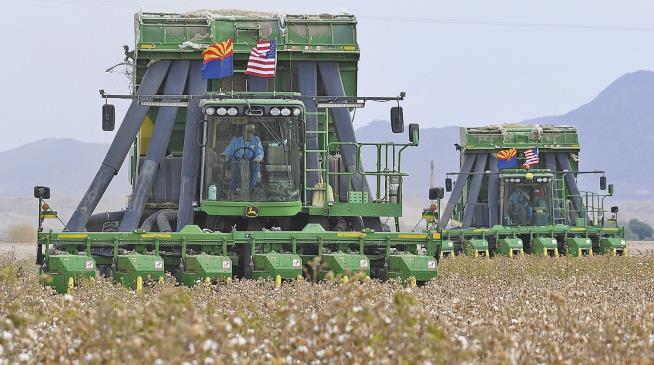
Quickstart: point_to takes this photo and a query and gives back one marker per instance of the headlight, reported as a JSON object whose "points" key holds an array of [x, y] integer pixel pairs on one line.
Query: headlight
{"points": [[517, 180], [274, 112], [210, 111], [286, 112], [506, 180], [539, 179], [511, 180], [221, 111], [232, 111], [296, 111]]}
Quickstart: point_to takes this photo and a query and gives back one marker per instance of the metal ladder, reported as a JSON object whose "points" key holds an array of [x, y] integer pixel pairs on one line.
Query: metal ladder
{"points": [[559, 206], [322, 135]]}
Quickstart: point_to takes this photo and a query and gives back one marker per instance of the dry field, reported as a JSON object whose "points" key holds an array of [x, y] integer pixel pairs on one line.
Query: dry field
{"points": [[499, 311]]}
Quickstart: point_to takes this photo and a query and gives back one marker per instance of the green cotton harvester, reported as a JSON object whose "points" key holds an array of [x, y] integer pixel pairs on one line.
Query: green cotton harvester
{"points": [[243, 176], [517, 193]]}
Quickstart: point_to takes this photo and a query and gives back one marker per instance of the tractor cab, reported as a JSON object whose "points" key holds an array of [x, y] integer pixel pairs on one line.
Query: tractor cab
{"points": [[526, 199], [251, 154]]}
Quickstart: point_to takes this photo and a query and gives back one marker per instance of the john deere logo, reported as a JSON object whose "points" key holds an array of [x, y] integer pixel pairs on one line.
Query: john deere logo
{"points": [[251, 211]]}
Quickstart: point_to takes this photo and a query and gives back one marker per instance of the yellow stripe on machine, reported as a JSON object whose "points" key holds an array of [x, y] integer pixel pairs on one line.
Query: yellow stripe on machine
{"points": [[436, 236], [157, 235], [72, 235], [350, 234], [417, 235]]}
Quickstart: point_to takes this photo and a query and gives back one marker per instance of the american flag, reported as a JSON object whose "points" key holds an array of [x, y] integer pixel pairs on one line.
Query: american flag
{"points": [[263, 59], [531, 157]]}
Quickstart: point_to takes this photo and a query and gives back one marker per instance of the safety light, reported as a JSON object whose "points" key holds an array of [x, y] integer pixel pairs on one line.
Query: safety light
{"points": [[210, 111], [232, 111], [274, 112], [286, 112], [221, 111], [296, 111]]}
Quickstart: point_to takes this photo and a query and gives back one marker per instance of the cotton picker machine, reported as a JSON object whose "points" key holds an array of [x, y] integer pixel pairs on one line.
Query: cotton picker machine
{"points": [[293, 201], [517, 193]]}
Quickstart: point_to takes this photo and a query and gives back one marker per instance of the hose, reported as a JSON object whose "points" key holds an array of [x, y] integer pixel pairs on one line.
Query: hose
{"points": [[164, 218]]}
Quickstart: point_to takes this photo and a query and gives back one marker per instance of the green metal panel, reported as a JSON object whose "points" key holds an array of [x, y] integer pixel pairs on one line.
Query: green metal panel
{"points": [[579, 246], [544, 246], [272, 264], [62, 268], [237, 209], [133, 265], [510, 247], [404, 266], [613, 246], [475, 247], [201, 267], [340, 263], [521, 137]]}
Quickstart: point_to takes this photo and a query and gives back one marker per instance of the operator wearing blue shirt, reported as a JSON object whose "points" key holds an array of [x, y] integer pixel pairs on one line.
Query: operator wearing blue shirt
{"points": [[247, 147]]}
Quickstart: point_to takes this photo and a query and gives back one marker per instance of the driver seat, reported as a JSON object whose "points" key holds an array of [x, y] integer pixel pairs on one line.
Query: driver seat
{"points": [[276, 166]]}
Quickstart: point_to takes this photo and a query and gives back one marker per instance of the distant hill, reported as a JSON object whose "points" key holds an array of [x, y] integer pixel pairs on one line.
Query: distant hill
{"points": [[66, 165], [616, 129], [617, 133]]}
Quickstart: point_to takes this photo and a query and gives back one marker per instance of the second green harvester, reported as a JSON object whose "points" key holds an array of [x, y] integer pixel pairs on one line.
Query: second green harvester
{"points": [[517, 192]]}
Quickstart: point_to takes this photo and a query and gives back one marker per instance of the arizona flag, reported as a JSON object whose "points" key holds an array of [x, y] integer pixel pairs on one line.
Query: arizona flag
{"points": [[218, 60], [507, 159]]}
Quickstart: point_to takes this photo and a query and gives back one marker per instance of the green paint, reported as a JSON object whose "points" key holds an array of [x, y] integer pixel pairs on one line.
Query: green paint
{"points": [[63, 267]]}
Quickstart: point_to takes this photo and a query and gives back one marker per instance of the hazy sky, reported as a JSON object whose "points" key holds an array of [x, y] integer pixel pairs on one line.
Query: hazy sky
{"points": [[460, 62]]}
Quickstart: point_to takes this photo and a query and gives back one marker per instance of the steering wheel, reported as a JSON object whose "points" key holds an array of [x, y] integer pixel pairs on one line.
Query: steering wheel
{"points": [[245, 155]]}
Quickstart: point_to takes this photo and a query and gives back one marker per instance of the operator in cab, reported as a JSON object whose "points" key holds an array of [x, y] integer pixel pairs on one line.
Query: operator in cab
{"points": [[248, 147]]}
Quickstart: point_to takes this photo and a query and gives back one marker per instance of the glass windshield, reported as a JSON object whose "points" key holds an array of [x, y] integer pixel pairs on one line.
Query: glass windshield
{"points": [[526, 204], [252, 158]]}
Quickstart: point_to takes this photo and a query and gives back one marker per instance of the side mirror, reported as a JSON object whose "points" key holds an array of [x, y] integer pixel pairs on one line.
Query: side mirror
{"points": [[397, 119], [414, 133], [448, 184], [42, 192], [108, 117], [436, 193], [602, 182], [611, 189], [614, 209]]}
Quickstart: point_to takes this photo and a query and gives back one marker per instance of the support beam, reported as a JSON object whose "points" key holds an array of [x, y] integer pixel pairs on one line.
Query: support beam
{"points": [[571, 185], [163, 127], [493, 191], [468, 161], [191, 154], [330, 75], [475, 187], [119, 148]]}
